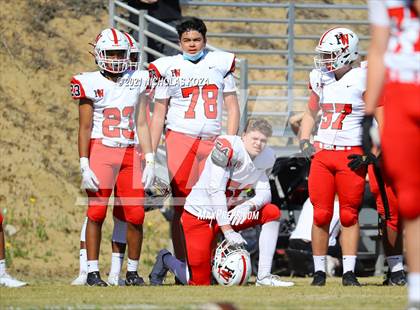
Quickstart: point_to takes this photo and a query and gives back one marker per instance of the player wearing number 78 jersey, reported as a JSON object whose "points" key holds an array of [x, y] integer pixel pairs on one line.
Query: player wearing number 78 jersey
{"points": [[337, 89], [198, 83]]}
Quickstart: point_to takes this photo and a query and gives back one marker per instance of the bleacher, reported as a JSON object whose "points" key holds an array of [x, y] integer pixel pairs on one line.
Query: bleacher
{"points": [[274, 42]]}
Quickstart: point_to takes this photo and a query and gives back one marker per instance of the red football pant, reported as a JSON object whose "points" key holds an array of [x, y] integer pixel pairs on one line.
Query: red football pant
{"points": [[117, 169], [200, 239], [329, 174], [186, 157], [393, 222], [401, 144], [1, 218]]}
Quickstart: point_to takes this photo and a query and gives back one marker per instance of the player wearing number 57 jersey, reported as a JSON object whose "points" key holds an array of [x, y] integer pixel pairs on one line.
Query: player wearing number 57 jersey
{"points": [[109, 159], [197, 85], [337, 90]]}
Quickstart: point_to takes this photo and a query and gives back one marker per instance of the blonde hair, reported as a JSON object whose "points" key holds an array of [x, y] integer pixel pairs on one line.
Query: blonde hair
{"points": [[260, 125]]}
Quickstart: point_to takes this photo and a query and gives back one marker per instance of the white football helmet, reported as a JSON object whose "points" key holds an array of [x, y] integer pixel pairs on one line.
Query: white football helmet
{"points": [[135, 53], [336, 48], [231, 265], [112, 51]]}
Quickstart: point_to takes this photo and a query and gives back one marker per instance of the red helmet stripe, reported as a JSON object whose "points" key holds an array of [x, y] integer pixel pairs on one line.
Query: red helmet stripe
{"points": [[323, 36], [114, 33], [244, 270], [128, 38]]}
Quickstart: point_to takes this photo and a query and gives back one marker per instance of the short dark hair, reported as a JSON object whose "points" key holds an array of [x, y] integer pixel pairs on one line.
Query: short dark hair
{"points": [[192, 23], [259, 124]]}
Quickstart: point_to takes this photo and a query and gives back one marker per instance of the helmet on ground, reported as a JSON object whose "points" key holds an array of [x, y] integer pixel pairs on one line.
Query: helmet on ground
{"points": [[231, 265]]}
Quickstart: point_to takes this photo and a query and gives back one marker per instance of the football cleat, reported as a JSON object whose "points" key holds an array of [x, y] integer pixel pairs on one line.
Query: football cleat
{"points": [[319, 279], [273, 280], [159, 270], [397, 278], [132, 278], [80, 280], [94, 279], [349, 279], [7, 281], [114, 280]]}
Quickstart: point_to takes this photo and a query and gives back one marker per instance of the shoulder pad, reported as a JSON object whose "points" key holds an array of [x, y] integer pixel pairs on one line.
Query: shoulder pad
{"points": [[159, 67], [223, 153], [224, 60]]}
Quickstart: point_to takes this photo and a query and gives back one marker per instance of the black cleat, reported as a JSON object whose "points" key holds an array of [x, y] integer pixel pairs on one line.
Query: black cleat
{"points": [[159, 270], [94, 279], [397, 278], [132, 278], [349, 279], [319, 279]]}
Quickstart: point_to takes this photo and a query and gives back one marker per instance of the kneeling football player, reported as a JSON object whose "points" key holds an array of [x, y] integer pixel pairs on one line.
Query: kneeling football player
{"points": [[236, 164]]}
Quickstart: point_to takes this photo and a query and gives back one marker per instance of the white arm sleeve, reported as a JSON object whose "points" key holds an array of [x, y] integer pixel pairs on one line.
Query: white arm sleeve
{"points": [[230, 85], [218, 179], [378, 14], [262, 192]]}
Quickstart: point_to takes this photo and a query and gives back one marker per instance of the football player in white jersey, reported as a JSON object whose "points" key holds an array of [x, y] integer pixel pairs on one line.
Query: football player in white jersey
{"points": [[5, 279], [394, 82], [236, 164], [109, 133], [337, 90], [118, 241], [199, 84]]}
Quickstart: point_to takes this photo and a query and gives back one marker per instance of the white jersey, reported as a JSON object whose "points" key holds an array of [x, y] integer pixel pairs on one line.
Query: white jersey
{"points": [[195, 91], [114, 103], [303, 228], [242, 175], [403, 54], [342, 106]]}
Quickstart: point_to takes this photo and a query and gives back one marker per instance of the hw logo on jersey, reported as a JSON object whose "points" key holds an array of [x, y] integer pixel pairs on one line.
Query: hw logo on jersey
{"points": [[99, 93], [176, 72]]}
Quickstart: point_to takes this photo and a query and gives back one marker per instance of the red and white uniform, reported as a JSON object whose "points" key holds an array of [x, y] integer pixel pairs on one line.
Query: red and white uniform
{"points": [[338, 136], [202, 208], [401, 101], [113, 157], [194, 117]]}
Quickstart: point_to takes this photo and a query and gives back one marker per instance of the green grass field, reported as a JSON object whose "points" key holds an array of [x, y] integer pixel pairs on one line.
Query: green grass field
{"points": [[333, 296]]}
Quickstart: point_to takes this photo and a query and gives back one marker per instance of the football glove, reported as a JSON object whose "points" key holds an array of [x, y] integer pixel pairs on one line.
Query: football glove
{"points": [[148, 171], [358, 161], [234, 238], [306, 148], [159, 188], [89, 180]]}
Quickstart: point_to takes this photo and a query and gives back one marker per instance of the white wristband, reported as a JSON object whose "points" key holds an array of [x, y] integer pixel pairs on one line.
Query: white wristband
{"points": [[150, 158], [84, 162]]}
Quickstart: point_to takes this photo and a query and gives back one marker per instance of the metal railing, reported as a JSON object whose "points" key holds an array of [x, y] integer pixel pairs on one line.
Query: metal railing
{"points": [[289, 74]]}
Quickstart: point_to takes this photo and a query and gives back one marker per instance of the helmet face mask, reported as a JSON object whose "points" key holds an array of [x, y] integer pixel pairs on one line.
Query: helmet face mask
{"points": [[231, 265], [338, 47], [112, 51]]}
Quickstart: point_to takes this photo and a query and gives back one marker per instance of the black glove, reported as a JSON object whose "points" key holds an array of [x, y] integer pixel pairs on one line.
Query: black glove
{"points": [[358, 161], [306, 148], [367, 124]]}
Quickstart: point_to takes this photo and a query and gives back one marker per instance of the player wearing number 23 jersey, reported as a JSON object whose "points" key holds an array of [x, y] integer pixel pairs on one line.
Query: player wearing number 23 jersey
{"points": [[191, 92]]}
